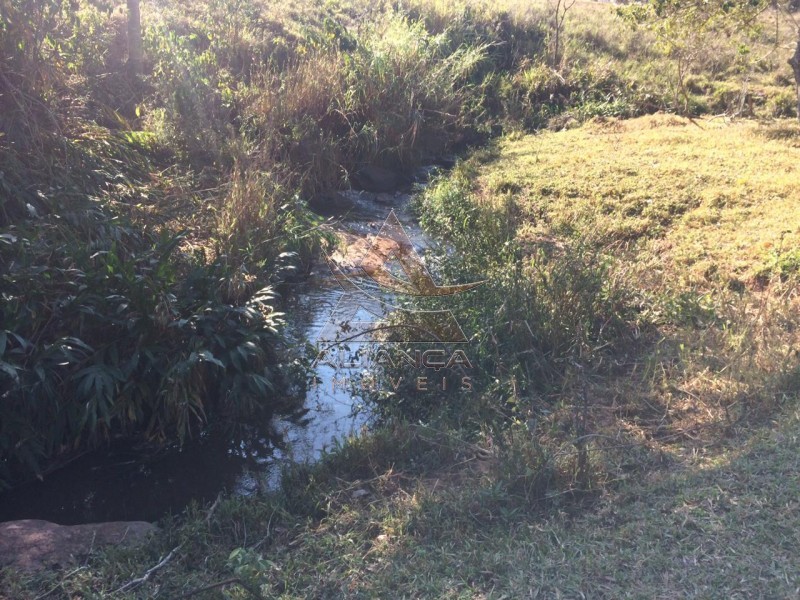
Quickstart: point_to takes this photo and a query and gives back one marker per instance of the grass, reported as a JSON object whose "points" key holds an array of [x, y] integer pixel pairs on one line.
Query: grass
{"points": [[694, 430], [721, 528], [696, 195], [706, 531], [701, 236], [635, 428]]}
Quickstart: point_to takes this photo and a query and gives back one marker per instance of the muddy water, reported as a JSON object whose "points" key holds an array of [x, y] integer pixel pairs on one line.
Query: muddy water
{"points": [[337, 411], [128, 483]]}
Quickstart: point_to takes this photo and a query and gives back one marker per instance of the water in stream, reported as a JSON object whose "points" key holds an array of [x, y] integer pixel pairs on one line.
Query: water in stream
{"points": [[120, 483]]}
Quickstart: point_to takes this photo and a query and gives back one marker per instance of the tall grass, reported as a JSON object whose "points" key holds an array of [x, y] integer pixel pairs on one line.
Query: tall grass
{"points": [[539, 315]]}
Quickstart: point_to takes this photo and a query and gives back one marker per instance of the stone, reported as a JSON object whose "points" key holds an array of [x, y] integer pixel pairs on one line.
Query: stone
{"points": [[447, 162], [31, 545], [378, 179], [384, 198], [425, 174], [331, 202]]}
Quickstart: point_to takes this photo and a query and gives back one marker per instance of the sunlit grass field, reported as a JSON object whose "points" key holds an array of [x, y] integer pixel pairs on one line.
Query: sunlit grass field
{"points": [[706, 202]]}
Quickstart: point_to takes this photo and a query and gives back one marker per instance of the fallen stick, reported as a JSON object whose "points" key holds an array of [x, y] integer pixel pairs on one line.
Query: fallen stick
{"points": [[134, 583], [213, 508], [220, 584]]}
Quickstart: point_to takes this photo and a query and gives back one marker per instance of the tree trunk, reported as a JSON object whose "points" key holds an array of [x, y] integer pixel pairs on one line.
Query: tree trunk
{"points": [[795, 62], [135, 49]]}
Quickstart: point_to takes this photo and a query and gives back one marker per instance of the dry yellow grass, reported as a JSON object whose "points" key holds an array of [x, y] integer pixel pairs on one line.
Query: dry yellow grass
{"points": [[708, 201]]}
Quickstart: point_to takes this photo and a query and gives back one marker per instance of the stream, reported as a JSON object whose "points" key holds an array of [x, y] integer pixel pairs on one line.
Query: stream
{"points": [[123, 482]]}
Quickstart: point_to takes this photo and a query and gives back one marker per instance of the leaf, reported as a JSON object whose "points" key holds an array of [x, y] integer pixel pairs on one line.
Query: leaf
{"points": [[207, 356], [77, 343], [10, 370], [25, 344]]}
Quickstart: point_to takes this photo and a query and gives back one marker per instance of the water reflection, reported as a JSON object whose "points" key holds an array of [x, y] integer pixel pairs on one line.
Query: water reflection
{"points": [[126, 482]]}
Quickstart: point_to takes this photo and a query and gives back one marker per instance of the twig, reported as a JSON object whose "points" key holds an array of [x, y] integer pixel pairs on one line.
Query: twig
{"points": [[212, 509], [91, 547], [220, 584], [269, 524], [134, 583]]}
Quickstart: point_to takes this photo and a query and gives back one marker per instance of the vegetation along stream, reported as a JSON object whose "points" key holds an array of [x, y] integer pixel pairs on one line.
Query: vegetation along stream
{"points": [[236, 304], [129, 482]]}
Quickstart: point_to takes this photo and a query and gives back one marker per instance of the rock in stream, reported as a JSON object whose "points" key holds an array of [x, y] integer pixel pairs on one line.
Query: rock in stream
{"points": [[31, 545]]}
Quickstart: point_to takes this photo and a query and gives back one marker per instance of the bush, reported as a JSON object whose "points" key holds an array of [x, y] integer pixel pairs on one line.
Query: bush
{"points": [[112, 322], [117, 336], [782, 104]]}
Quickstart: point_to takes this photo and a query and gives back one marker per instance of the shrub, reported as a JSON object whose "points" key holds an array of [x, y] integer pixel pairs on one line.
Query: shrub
{"points": [[782, 104], [116, 336]]}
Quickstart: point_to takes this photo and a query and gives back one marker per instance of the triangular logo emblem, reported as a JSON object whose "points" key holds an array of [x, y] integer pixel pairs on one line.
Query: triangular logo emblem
{"points": [[371, 286]]}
